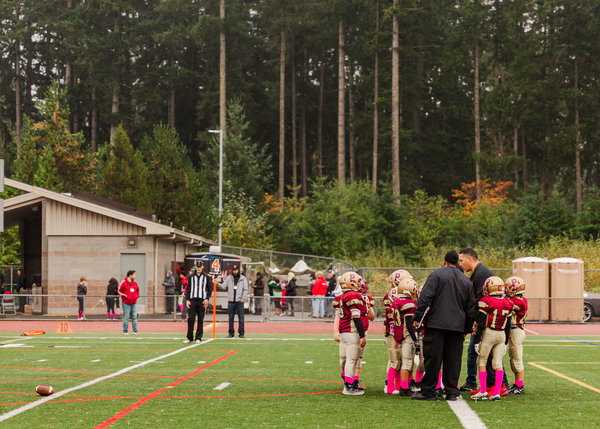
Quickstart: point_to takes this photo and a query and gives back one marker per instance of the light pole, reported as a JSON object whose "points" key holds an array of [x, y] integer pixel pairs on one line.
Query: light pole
{"points": [[220, 132]]}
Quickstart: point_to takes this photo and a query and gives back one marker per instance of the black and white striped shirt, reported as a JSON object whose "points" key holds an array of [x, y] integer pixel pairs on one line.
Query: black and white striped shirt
{"points": [[198, 287]]}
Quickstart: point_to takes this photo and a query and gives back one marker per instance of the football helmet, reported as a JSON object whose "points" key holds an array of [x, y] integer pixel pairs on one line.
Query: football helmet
{"points": [[493, 286], [397, 276], [393, 294], [408, 288], [363, 286], [514, 286], [350, 280]]}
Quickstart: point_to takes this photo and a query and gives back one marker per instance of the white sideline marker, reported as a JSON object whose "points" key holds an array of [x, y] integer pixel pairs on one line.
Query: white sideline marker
{"points": [[308, 361], [221, 386], [55, 395], [201, 361], [468, 418], [43, 360], [255, 361], [529, 330], [95, 360]]}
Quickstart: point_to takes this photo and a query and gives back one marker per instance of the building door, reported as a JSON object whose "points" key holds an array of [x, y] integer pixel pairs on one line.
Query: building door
{"points": [[137, 262]]}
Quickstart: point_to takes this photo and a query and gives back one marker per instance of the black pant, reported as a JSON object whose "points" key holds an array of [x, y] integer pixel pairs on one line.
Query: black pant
{"points": [[290, 303], [170, 302], [110, 304], [196, 308], [441, 346], [81, 301], [232, 309]]}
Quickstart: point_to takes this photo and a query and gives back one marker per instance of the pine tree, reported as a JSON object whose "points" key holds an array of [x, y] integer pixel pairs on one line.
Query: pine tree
{"points": [[124, 176]]}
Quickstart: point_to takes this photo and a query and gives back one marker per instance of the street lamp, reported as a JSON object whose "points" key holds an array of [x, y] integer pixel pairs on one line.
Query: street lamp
{"points": [[220, 132]]}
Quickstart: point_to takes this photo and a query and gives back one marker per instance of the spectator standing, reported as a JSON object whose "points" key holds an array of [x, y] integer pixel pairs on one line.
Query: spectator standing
{"points": [[331, 284], [311, 283], [129, 292], [184, 283], [169, 284], [259, 291], [21, 289], [112, 294], [237, 294], [275, 292], [449, 296], [319, 290], [290, 293], [81, 293], [196, 299]]}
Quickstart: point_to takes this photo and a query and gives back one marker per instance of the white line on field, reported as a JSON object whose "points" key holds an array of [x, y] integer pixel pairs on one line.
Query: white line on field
{"points": [[468, 418], [308, 361], [255, 361], [43, 360], [16, 339], [95, 360], [529, 330], [56, 395], [221, 386], [201, 361]]}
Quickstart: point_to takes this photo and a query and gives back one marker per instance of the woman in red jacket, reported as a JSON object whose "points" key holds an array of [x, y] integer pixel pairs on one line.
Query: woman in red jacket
{"points": [[130, 293], [319, 290]]}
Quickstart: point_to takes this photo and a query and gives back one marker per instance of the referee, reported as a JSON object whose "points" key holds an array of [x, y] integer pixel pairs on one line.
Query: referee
{"points": [[448, 294], [196, 300]]}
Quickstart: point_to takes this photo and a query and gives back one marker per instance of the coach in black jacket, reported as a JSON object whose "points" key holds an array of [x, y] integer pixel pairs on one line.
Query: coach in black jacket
{"points": [[448, 294], [199, 289]]}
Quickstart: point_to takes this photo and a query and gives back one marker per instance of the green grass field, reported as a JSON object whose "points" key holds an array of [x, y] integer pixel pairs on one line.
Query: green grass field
{"points": [[274, 381]]}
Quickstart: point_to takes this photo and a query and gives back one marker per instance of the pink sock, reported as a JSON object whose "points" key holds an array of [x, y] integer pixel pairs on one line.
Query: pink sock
{"points": [[397, 381], [498, 382], [418, 376], [404, 384], [519, 383], [439, 383], [391, 375], [118, 311], [355, 378], [349, 380], [482, 381]]}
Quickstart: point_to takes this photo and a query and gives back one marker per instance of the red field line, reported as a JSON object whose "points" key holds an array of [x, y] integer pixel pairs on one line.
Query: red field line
{"points": [[142, 401]]}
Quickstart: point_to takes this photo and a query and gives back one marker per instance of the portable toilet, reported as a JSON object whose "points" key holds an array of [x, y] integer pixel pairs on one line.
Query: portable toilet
{"points": [[566, 289]]}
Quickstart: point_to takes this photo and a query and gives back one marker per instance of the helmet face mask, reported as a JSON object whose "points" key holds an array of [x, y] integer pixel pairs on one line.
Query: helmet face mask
{"points": [[351, 280], [514, 286], [397, 276], [493, 286], [363, 287]]}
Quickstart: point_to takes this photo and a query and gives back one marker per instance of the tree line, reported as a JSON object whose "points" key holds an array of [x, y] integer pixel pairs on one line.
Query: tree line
{"points": [[405, 95]]}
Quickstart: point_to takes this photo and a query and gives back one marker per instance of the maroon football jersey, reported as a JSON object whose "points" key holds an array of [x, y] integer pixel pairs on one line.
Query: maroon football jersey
{"points": [[350, 300], [497, 310], [401, 307], [520, 310]]}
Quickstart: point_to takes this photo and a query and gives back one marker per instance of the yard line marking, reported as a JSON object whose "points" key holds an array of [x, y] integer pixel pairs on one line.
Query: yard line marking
{"points": [[255, 361], [308, 361], [71, 347], [142, 401], [221, 386], [569, 363], [45, 399], [583, 342], [468, 418], [43, 360], [529, 330], [8, 346], [15, 339], [558, 374], [201, 361], [95, 360]]}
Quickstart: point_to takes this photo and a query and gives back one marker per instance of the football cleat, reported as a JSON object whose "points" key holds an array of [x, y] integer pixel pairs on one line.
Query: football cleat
{"points": [[357, 386], [467, 387], [504, 391], [494, 398], [480, 396], [439, 392], [516, 390], [405, 392], [493, 286]]}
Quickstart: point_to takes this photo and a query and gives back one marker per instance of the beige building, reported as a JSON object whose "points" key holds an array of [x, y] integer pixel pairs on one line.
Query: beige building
{"points": [[67, 236]]}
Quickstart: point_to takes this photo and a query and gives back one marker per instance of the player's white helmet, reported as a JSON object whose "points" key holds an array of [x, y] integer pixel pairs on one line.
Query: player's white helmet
{"points": [[493, 286], [350, 280], [397, 276], [408, 288], [514, 286], [393, 294]]}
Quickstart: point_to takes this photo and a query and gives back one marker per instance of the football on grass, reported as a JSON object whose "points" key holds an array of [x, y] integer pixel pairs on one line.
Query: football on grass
{"points": [[44, 389]]}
